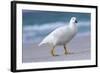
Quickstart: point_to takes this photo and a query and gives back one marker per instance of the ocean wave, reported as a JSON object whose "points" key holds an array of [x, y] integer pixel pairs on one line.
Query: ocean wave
{"points": [[35, 33], [51, 26]]}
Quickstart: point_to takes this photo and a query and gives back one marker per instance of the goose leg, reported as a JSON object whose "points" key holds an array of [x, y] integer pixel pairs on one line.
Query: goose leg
{"points": [[52, 52], [65, 50]]}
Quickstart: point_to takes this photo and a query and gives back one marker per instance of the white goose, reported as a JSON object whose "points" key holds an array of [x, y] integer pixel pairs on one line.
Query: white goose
{"points": [[61, 36]]}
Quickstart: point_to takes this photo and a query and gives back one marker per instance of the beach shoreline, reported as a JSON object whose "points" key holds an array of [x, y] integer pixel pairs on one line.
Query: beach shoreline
{"points": [[79, 48]]}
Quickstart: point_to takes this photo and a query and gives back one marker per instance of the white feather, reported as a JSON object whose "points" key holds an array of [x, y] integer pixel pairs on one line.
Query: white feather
{"points": [[61, 35]]}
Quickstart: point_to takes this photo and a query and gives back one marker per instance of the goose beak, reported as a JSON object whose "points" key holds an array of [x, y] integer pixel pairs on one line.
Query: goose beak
{"points": [[76, 22]]}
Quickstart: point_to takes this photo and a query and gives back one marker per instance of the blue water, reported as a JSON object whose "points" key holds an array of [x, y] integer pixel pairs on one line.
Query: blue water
{"points": [[38, 24]]}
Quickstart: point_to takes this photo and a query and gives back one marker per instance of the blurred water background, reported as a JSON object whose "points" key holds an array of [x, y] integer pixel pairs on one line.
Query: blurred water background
{"points": [[38, 24]]}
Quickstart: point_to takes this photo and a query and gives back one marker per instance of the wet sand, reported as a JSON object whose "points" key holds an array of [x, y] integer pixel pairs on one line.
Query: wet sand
{"points": [[79, 49]]}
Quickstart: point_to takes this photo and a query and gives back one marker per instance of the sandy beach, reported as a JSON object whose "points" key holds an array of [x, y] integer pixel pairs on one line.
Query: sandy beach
{"points": [[79, 49]]}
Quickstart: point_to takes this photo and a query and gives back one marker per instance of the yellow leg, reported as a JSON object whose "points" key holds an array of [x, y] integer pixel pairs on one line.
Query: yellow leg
{"points": [[52, 52], [65, 50]]}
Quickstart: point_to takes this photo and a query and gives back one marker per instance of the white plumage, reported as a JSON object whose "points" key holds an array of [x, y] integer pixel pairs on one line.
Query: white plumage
{"points": [[61, 35]]}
